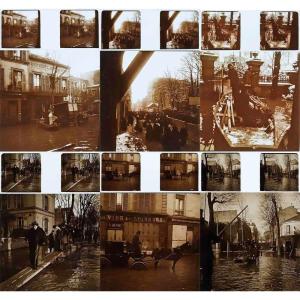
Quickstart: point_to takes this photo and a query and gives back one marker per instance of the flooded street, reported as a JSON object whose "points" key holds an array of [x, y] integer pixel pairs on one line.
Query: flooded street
{"points": [[84, 185], [186, 277], [272, 273], [125, 184], [78, 272], [228, 184], [189, 183], [285, 184], [31, 137]]}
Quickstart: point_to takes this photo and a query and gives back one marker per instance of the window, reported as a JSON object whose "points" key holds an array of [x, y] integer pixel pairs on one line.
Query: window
{"points": [[20, 222], [17, 54], [19, 203], [119, 204], [64, 84], [36, 80], [17, 79], [288, 229], [46, 203], [179, 205], [46, 225]]}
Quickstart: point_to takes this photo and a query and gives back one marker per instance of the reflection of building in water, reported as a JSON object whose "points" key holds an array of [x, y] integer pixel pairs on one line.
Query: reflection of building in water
{"points": [[122, 163], [179, 163], [220, 30], [279, 30], [165, 220]]}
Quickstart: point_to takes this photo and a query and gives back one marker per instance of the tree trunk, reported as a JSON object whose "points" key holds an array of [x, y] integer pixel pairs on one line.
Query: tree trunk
{"points": [[211, 210]]}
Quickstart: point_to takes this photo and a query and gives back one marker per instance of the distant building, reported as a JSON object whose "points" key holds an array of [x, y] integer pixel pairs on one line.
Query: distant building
{"points": [[22, 210], [165, 220], [125, 163], [184, 163]]}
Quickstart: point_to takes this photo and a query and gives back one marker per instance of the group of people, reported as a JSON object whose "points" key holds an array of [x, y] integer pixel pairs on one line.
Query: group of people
{"points": [[58, 239], [182, 41], [158, 128], [124, 41], [29, 170], [86, 172]]}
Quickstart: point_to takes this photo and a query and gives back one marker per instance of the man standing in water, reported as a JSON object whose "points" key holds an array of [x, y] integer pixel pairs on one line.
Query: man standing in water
{"points": [[206, 254], [35, 237]]}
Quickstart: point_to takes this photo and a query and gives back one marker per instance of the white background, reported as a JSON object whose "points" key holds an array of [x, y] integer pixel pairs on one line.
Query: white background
{"points": [[150, 161]]}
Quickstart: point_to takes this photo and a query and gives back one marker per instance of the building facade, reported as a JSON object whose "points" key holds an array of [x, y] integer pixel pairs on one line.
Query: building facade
{"points": [[165, 220], [25, 209], [29, 84]]}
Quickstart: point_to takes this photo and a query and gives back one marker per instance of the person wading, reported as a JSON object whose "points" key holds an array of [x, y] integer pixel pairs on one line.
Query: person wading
{"points": [[36, 237]]}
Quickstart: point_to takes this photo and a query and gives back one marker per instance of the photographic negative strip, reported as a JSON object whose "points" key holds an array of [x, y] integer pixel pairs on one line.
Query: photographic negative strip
{"points": [[221, 30], [147, 239], [49, 100], [279, 30], [21, 172], [78, 29], [249, 235], [279, 172], [121, 172], [221, 172], [121, 29], [20, 29], [80, 172], [178, 172], [249, 100], [179, 30], [150, 101]]}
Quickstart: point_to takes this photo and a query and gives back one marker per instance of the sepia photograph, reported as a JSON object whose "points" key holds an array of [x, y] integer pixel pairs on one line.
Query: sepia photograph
{"points": [[78, 29], [50, 242], [221, 30], [279, 172], [50, 100], [20, 29], [121, 172], [179, 30], [249, 100], [279, 30], [221, 172], [80, 172], [250, 242], [178, 172], [21, 172], [121, 29], [150, 101], [149, 242]]}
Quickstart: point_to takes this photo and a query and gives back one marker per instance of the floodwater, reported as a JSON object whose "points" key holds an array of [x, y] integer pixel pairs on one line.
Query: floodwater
{"points": [[272, 273], [184, 184], [186, 277], [285, 184], [32, 137], [78, 272], [228, 184]]}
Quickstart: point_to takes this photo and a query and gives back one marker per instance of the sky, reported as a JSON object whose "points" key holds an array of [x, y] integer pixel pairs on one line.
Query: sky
{"points": [[88, 14], [157, 65], [182, 17], [125, 16], [252, 213], [29, 14], [80, 60]]}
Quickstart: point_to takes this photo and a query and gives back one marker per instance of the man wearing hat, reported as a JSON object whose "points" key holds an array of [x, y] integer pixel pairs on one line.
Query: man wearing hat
{"points": [[36, 237]]}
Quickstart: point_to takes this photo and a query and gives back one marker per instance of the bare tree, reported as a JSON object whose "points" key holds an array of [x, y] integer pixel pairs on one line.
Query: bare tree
{"points": [[269, 209], [213, 199]]}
